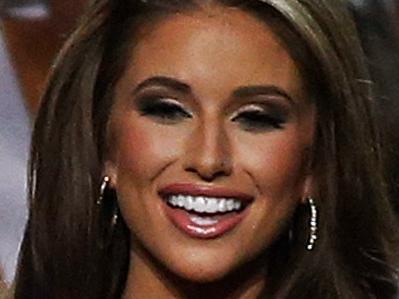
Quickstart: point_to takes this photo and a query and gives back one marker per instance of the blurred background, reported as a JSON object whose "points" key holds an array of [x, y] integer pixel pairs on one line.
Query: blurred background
{"points": [[31, 33]]}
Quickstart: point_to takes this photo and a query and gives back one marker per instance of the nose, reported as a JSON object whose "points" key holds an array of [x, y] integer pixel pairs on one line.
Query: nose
{"points": [[208, 153]]}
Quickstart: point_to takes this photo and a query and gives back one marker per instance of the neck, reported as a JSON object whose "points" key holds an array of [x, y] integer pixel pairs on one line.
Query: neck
{"points": [[149, 280]]}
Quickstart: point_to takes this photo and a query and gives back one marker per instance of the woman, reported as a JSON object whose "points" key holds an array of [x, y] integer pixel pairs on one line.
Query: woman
{"points": [[221, 149]]}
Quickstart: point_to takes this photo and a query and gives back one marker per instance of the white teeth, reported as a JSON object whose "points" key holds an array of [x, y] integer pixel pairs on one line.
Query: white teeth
{"points": [[230, 205], [189, 203], [203, 221], [199, 204], [180, 201], [237, 205], [222, 206], [203, 204], [211, 205]]}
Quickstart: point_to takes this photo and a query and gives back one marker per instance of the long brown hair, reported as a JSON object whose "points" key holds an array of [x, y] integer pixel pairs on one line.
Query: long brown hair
{"points": [[69, 251]]}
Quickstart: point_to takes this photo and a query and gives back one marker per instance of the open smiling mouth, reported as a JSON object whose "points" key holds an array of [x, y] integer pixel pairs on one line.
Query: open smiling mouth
{"points": [[201, 216]]}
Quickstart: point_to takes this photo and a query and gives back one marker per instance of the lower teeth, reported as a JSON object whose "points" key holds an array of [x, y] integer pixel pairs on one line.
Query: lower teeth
{"points": [[203, 220]]}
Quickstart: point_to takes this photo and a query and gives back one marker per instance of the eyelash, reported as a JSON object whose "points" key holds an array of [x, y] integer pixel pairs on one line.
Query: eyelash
{"points": [[162, 110], [166, 112], [258, 121]]}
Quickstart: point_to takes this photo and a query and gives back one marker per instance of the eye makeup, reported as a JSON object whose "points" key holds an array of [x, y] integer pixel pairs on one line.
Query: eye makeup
{"points": [[164, 109], [260, 117], [255, 108]]}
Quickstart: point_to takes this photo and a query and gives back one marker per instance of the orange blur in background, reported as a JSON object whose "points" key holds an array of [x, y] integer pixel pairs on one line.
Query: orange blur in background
{"points": [[33, 44]]}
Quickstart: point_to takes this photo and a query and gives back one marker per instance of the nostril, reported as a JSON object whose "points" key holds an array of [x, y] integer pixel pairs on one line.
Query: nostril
{"points": [[208, 155], [210, 173]]}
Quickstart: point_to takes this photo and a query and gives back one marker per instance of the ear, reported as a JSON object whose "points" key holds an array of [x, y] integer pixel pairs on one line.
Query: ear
{"points": [[110, 170], [309, 188], [309, 184]]}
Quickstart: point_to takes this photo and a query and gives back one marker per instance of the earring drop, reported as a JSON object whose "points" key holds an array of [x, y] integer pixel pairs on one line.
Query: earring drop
{"points": [[312, 224], [103, 187]]}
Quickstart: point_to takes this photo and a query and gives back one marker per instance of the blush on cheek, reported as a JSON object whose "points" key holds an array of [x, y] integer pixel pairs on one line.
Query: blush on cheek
{"points": [[276, 164], [144, 149]]}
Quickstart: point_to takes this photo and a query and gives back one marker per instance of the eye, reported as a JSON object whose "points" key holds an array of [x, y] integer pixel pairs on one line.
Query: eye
{"points": [[163, 109], [255, 118]]}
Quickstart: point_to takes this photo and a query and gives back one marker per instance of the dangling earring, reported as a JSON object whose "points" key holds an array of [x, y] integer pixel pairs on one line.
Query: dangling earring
{"points": [[103, 186], [100, 200], [312, 223]]}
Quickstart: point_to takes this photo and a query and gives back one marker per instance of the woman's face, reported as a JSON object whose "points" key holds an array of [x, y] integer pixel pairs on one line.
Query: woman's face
{"points": [[209, 133]]}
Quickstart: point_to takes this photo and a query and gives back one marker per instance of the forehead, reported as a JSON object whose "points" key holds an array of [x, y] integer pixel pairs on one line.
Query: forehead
{"points": [[226, 46]]}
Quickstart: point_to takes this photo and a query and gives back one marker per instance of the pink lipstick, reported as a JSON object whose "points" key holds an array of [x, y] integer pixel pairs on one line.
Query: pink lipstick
{"points": [[204, 211]]}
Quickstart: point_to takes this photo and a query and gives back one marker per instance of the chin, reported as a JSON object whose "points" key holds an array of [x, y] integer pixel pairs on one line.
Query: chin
{"points": [[207, 267], [204, 274]]}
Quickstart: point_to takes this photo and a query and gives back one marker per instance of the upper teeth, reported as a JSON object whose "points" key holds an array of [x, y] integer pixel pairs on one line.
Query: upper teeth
{"points": [[203, 204]]}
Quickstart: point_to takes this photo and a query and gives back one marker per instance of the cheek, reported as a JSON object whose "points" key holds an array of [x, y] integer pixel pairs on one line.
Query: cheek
{"points": [[144, 149], [275, 162]]}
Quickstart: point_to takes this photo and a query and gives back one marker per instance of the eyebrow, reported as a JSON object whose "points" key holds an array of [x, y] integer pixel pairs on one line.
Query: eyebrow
{"points": [[163, 81], [240, 92], [255, 90]]}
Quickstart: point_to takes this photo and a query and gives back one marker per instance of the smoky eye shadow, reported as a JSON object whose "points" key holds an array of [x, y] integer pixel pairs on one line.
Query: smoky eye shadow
{"points": [[147, 100], [278, 113], [153, 105], [272, 108], [161, 107]]}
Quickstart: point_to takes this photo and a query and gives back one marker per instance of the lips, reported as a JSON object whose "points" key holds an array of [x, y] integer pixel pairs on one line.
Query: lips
{"points": [[202, 211]]}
